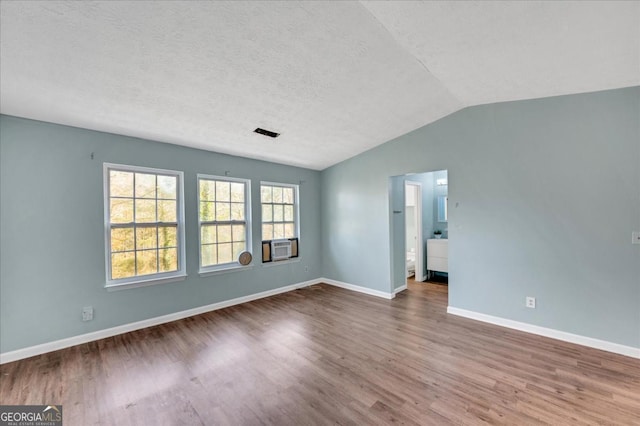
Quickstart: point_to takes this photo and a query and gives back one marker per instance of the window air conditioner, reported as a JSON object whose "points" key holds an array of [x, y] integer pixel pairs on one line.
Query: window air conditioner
{"points": [[280, 249]]}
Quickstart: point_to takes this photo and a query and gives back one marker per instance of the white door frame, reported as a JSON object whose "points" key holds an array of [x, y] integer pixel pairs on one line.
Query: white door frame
{"points": [[410, 185]]}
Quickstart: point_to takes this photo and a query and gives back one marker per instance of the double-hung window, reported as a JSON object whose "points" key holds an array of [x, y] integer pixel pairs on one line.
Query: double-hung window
{"points": [[144, 225], [224, 219], [279, 211]]}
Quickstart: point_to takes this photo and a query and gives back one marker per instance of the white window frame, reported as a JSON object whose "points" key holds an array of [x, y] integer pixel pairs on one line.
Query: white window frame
{"points": [[296, 206], [158, 278], [235, 265]]}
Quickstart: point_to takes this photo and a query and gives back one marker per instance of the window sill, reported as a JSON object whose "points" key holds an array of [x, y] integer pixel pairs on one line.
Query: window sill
{"points": [[281, 262], [235, 268], [145, 283]]}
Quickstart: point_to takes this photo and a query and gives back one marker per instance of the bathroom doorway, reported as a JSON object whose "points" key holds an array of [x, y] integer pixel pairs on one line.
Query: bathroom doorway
{"points": [[413, 230], [419, 228]]}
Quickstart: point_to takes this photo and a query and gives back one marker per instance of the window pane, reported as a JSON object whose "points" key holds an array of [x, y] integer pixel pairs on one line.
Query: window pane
{"points": [[289, 230], [267, 232], [224, 253], [145, 210], [207, 211], [237, 211], [146, 238], [267, 213], [120, 184], [168, 259], [224, 233], [278, 231], [237, 192], [223, 191], [288, 213], [287, 195], [167, 187], [277, 213], [146, 262], [209, 254], [167, 236], [277, 194], [265, 194], [208, 234], [238, 232], [237, 249], [207, 190], [123, 265], [121, 210], [145, 185], [167, 211], [223, 211], [121, 239]]}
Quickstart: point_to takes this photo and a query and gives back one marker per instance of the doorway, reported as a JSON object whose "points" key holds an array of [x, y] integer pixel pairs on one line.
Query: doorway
{"points": [[414, 265], [419, 227]]}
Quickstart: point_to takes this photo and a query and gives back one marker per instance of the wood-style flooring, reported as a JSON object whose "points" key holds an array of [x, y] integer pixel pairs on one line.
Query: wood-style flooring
{"points": [[324, 355]]}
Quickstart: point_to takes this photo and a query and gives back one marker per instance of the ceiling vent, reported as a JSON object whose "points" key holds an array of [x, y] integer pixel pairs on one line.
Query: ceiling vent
{"points": [[267, 132]]}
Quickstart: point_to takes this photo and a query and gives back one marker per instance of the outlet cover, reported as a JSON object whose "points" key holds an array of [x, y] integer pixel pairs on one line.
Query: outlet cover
{"points": [[87, 313], [635, 237], [531, 302]]}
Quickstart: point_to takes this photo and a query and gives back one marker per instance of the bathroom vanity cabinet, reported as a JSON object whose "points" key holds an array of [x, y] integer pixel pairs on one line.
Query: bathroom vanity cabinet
{"points": [[438, 255]]}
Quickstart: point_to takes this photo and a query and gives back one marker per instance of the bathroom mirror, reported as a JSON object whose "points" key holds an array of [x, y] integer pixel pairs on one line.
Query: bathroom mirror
{"points": [[442, 208]]}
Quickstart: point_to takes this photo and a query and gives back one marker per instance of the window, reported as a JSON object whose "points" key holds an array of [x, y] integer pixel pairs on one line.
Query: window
{"points": [[144, 225], [224, 216], [279, 211]]}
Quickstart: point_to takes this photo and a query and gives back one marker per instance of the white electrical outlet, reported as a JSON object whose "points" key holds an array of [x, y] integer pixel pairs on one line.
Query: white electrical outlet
{"points": [[87, 313], [531, 302], [635, 237]]}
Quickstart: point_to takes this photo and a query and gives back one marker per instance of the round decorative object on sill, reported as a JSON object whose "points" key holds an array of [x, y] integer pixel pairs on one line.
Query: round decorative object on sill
{"points": [[245, 258]]}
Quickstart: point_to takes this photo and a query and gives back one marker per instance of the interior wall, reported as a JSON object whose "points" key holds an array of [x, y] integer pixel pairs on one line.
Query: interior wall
{"points": [[397, 228], [526, 208], [52, 250]]}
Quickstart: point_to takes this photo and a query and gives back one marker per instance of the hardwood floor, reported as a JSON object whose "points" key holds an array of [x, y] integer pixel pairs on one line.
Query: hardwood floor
{"points": [[325, 355]]}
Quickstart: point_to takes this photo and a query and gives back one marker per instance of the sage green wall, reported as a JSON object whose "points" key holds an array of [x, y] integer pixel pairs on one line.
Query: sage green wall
{"points": [[52, 247], [543, 197]]}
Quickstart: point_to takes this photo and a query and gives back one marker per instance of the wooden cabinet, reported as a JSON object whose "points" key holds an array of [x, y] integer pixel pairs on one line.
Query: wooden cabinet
{"points": [[438, 255]]}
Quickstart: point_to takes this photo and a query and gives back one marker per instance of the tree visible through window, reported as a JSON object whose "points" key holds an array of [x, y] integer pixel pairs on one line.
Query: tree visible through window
{"points": [[279, 211], [224, 220], [143, 234]]}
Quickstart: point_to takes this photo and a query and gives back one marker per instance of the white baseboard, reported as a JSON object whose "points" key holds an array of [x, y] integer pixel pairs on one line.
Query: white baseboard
{"points": [[549, 332], [357, 288], [399, 289], [125, 328]]}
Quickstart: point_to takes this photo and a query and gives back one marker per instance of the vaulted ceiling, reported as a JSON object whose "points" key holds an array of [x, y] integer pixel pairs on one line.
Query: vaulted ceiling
{"points": [[334, 78]]}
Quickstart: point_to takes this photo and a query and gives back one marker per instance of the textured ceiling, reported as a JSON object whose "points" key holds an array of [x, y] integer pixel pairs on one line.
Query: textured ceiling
{"points": [[334, 78]]}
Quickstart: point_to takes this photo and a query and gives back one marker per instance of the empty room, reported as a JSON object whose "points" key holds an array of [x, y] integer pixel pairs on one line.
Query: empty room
{"points": [[327, 212]]}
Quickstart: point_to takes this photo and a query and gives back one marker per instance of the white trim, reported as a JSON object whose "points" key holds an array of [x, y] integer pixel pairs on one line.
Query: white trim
{"points": [[296, 207], [160, 277], [146, 283], [357, 288], [419, 262], [548, 332], [399, 289], [248, 225], [236, 268], [125, 328], [281, 262]]}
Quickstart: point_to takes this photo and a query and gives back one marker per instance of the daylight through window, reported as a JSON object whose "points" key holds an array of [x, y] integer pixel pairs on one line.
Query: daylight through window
{"points": [[224, 217], [279, 211], [144, 229]]}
